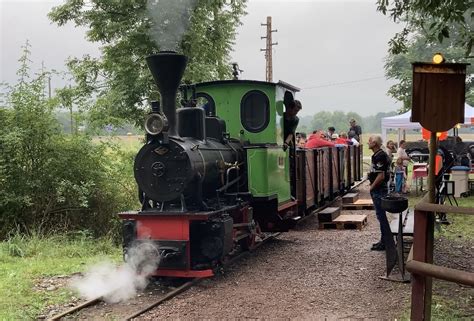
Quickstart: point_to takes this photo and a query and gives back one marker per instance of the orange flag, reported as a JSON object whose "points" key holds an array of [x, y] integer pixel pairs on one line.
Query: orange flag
{"points": [[425, 133]]}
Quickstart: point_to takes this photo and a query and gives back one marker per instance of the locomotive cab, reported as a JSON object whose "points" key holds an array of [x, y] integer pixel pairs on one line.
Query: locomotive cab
{"points": [[253, 111]]}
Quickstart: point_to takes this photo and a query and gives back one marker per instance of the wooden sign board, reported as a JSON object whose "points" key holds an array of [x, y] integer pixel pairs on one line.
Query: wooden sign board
{"points": [[438, 95]]}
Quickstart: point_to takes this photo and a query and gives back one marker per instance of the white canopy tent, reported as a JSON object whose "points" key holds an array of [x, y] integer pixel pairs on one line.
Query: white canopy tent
{"points": [[403, 121]]}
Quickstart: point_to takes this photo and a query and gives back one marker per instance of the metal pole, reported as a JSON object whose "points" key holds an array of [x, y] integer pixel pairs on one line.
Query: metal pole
{"points": [[431, 173], [430, 218]]}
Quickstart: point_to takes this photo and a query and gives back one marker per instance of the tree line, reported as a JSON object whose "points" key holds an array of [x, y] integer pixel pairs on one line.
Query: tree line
{"points": [[340, 121]]}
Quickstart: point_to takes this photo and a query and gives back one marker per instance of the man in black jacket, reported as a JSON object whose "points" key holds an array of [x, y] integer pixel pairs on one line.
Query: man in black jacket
{"points": [[378, 176], [355, 130]]}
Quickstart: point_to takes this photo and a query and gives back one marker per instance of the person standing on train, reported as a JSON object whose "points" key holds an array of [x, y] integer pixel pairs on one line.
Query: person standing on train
{"points": [[290, 123], [378, 176], [355, 130]]}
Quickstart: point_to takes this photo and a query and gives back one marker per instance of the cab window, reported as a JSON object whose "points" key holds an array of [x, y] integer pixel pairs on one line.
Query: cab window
{"points": [[255, 111]]}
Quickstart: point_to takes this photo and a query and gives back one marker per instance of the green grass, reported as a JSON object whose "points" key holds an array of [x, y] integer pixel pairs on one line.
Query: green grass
{"points": [[462, 226], [443, 308], [26, 260]]}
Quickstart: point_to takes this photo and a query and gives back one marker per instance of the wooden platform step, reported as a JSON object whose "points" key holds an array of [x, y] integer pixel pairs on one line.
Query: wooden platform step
{"points": [[361, 204], [345, 222], [350, 198], [329, 214]]}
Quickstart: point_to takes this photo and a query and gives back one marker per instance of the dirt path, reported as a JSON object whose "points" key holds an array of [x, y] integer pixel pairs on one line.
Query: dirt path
{"points": [[306, 273]]}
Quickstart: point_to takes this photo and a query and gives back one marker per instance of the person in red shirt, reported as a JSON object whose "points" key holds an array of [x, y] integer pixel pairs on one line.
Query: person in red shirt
{"points": [[318, 140], [342, 140]]}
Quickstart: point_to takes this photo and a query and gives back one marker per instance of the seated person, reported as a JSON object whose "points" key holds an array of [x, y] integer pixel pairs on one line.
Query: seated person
{"points": [[300, 140], [342, 140], [318, 140], [331, 131], [352, 138]]}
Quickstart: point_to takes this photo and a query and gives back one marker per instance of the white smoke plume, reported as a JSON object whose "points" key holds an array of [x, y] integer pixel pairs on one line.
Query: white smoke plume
{"points": [[170, 20], [117, 284]]}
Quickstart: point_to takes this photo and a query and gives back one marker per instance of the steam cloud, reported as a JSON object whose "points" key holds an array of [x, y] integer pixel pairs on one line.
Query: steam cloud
{"points": [[117, 284], [170, 20]]}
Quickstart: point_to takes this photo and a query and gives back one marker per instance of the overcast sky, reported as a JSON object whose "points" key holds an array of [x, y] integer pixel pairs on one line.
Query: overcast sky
{"points": [[321, 44]]}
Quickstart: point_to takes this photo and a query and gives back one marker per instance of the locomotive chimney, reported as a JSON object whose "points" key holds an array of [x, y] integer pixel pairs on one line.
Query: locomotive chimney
{"points": [[167, 68]]}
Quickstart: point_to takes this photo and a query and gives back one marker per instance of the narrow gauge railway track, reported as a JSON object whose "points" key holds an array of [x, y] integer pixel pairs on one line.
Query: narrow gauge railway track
{"points": [[166, 296], [187, 285]]}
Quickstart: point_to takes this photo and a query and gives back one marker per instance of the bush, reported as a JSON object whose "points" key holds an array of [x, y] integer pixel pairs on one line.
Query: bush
{"points": [[50, 181]]}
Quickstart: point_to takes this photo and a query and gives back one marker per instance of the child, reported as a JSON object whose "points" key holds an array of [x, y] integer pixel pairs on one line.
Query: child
{"points": [[400, 176]]}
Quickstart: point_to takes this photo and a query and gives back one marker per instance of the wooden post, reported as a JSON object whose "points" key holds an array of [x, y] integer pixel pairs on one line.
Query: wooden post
{"points": [[438, 95], [268, 49]]}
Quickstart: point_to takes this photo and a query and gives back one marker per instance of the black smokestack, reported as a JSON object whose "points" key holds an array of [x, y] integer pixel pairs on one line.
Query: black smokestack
{"points": [[167, 68]]}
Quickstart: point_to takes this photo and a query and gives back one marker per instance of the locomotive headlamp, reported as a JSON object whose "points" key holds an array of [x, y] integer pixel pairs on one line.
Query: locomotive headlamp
{"points": [[438, 58], [155, 123]]}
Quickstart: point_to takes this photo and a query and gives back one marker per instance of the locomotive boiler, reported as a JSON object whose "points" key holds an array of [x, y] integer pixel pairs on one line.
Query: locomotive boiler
{"points": [[187, 157]]}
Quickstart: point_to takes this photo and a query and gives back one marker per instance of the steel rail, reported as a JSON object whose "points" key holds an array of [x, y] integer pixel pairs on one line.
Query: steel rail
{"points": [[76, 308], [167, 296]]}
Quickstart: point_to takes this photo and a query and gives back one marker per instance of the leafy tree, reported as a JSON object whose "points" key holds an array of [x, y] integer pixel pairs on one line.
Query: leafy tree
{"points": [[119, 84], [337, 119], [340, 120], [373, 123], [433, 19], [398, 66]]}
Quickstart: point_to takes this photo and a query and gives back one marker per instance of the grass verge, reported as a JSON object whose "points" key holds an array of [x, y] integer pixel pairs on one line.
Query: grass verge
{"points": [[25, 261], [450, 301]]}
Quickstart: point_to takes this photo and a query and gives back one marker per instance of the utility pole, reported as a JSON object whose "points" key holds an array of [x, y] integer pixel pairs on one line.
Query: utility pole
{"points": [[268, 49]]}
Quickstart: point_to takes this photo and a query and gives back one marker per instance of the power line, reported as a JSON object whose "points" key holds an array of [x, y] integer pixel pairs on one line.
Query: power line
{"points": [[344, 82]]}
